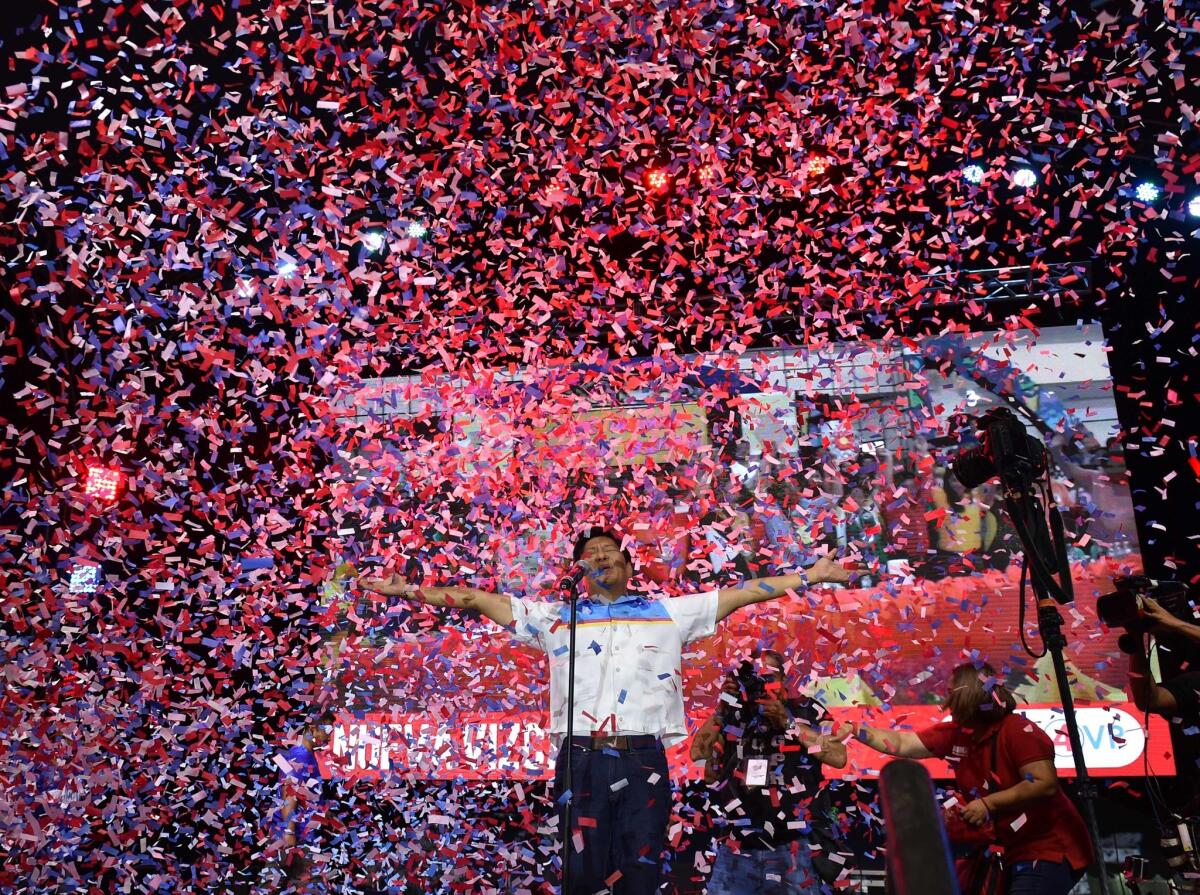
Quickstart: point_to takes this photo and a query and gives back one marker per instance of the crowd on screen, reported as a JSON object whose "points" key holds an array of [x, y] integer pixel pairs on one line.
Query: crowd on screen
{"points": [[902, 511], [898, 508]]}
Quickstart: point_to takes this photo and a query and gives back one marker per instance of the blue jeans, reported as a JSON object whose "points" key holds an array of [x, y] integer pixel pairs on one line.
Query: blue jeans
{"points": [[764, 871], [621, 805], [1042, 878]]}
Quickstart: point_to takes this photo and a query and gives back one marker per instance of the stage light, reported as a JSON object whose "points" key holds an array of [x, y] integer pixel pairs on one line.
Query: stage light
{"points": [[245, 288], [1146, 191], [102, 482], [1194, 207], [286, 267], [416, 230], [84, 579], [657, 180], [973, 173], [705, 174], [817, 165], [1024, 178], [374, 241]]}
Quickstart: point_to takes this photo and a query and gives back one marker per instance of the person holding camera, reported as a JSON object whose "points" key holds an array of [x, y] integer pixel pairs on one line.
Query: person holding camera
{"points": [[763, 750], [1174, 698], [1004, 772]]}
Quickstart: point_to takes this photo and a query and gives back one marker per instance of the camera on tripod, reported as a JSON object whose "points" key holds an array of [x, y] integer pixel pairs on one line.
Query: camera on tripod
{"points": [[1005, 450]]}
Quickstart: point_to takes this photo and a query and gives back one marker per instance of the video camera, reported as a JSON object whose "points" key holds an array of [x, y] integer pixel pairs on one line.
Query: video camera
{"points": [[752, 684], [1005, 450], [752, 690], [1123, 607]]}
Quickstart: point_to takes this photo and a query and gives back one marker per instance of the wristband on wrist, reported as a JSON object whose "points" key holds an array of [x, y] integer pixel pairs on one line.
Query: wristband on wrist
{"points": [[986, 808]]}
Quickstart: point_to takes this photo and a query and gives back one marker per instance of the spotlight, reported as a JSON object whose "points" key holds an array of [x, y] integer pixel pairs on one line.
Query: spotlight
{"points": [[286, 267], [973, 173], [657, 180], [1024, 177], [705, 174], [102, 482], [817, 165], [1194, 207], [1146, 192], [416, 230], [374, 241], [245, 288], [84, 580]]}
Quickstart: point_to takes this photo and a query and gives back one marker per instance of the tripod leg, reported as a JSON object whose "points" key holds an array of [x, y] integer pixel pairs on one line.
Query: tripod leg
{"points": [[1050, 624]]}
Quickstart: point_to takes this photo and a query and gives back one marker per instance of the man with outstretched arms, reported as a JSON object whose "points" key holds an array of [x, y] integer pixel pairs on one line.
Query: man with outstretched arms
{"points": [[628, 697]]}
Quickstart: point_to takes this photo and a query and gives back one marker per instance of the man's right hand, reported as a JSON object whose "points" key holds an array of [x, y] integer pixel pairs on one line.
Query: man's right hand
{"points": [[497, 607]]}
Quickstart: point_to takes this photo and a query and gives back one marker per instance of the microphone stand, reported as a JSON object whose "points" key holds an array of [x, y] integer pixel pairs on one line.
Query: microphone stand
{"points": [[572, 588]]}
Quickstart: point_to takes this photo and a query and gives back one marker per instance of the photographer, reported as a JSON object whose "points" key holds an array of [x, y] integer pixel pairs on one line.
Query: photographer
{"points": [[762, 752], [1172, 698]]}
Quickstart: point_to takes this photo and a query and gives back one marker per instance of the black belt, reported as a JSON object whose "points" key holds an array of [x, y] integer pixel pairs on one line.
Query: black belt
{"points": [[621, 743]]}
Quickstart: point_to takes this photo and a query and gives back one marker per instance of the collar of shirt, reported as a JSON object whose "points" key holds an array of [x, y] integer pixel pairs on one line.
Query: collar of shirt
{"points": [[626, 597]]}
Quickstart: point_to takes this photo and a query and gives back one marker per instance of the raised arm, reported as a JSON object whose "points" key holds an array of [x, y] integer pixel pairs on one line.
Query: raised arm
{"points": [[497, 607], [759, 590], [901, 743], [1166, 623]]}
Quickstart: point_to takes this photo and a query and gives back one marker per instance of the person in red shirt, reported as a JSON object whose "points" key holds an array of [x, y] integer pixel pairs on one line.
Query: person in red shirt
{"points": [[1004, 770]]}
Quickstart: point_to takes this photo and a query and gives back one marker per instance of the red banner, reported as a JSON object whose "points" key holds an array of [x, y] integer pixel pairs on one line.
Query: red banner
{"points": [[517, 746]]}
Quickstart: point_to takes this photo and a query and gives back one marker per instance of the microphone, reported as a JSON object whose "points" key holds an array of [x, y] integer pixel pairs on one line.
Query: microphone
{"points": [[579, 571], [918, 855]]}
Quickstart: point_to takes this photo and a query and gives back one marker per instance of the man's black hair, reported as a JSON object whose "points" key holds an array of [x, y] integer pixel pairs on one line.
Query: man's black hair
{"points": [[596, 531]]}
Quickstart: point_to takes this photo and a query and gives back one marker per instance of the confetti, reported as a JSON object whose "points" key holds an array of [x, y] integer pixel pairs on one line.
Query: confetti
{"points": [[584, 224]]}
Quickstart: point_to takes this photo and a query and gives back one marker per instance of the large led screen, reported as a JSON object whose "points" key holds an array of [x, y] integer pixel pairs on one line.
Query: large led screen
{"points": [[720, 468]]}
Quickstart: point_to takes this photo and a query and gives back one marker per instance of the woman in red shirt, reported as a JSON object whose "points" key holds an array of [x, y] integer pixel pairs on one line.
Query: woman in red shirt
{"points": [[1004, 769]]}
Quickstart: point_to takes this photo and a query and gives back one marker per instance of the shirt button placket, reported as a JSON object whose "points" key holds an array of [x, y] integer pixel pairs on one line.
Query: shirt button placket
{"points": [[613, 669]]}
